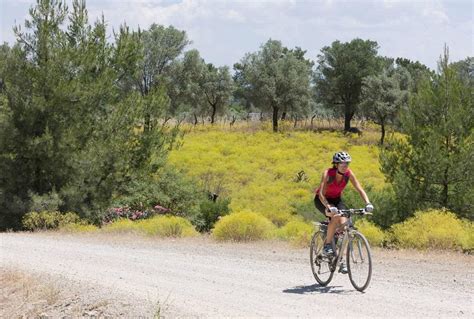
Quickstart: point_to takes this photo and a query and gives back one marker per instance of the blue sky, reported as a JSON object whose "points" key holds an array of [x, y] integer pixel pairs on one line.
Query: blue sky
{"points": [[223, 31]]}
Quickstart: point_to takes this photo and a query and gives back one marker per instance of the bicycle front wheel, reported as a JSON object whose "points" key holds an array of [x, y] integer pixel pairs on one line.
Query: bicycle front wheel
{"points": [[359, 262], [320, 264]]}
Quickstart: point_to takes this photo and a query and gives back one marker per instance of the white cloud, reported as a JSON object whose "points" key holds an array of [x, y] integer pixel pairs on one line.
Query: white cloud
{"points": [[223, 31], [236, 16]]}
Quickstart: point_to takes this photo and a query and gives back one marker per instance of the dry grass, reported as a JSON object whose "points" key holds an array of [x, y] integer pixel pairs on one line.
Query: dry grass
{"points": [[25, 295]]}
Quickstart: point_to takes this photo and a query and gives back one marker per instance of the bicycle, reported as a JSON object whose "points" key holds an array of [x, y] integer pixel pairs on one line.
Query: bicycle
{"points": [[349, 240]]}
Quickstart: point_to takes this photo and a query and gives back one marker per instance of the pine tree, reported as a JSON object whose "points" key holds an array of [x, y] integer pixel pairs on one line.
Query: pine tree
{"points": [[432, 165]]}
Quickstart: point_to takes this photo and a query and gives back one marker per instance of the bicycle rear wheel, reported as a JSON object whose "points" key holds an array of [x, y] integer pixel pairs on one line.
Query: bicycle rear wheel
{"points": [[320, 265], [359, 262]]}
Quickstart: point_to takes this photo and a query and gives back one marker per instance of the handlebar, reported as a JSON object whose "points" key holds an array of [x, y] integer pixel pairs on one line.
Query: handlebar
{"points": [[352, 211]]}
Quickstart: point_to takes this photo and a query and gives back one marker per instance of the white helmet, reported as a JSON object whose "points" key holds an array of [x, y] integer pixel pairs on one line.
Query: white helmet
{"points": [[341, 157]]}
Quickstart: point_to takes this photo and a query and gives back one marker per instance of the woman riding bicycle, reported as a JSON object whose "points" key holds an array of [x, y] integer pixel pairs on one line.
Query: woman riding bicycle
{"points": [[328, 196]]}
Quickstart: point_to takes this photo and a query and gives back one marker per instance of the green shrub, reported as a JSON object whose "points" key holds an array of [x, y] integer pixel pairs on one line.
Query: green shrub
{"points": [[374, 234], [50, 202], [167, 226], [243, 226], [48, 220], [386, 212], [438, 229], [297, 232], [168, 188], [210, 212]]}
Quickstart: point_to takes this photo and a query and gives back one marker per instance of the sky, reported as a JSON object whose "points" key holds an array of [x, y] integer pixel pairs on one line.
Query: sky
{"points": [[224, 31]]}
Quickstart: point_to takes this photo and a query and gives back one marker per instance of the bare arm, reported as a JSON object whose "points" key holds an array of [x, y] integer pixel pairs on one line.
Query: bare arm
{"points": [[359, 188], [322, 189]]}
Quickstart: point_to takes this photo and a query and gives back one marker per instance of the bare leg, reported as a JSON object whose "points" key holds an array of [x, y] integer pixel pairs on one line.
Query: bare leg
{"points": [[335, 221]]}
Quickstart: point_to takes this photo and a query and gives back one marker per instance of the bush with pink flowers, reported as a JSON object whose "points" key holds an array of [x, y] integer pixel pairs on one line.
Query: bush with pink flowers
{"points": [[125, 212]]}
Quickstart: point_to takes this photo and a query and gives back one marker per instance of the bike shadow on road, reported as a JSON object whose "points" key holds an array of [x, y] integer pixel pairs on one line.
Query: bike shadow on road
{"points": [[315, 288]]}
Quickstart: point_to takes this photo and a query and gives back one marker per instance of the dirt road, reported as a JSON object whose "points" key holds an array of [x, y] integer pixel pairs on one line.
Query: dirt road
{"points": [[199, 277]]}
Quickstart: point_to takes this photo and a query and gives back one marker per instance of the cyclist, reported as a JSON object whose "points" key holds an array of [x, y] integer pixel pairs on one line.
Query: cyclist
{"points": [[328, 196]]}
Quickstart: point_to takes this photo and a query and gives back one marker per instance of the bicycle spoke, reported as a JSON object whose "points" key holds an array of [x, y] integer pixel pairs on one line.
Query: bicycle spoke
{"points": [[359, 262], [320, 264]]}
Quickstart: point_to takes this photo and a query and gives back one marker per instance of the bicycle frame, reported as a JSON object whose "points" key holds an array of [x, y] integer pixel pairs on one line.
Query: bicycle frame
{"points": [[347, 229]]}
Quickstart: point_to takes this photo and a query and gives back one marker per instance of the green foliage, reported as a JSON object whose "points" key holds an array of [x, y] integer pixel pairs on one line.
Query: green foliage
{"points": [[210, 212], [387, 208], [77, 123], [418, 72], [167, 187], [198, 89], [276, 79], [46, 220], [465, 70], [49, 202], [374, 234], [341, 69], [383, 95], [435, 229], [428, 167], [243, 226], [217, 87]]}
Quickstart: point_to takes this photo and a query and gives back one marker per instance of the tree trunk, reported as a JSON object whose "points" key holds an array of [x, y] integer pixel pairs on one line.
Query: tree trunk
{"points": [[147, 126], [446, 176], [347, 120], [214, 110], [382, 123], [195, 120], [275, 119], [312, 119], [296, 122], [445, 187]]}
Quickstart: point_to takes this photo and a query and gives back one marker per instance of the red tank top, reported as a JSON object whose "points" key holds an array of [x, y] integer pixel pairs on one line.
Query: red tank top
{"points": [[334, 189]]}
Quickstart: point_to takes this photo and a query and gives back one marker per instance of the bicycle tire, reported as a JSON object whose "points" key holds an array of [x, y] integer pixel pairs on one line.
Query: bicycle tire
{"points": [[320, 266], [359, 262]]}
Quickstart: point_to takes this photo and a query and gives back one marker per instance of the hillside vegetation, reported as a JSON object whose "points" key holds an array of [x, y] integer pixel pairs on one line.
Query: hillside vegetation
{"points": [[270, 173]]}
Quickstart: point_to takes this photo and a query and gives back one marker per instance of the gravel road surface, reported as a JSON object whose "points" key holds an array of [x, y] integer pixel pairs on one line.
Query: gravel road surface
{"points": [[202, 278]]}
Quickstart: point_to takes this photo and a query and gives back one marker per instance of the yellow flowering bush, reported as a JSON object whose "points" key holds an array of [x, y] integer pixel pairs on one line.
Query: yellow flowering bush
{"points": [[434, 228], [297, 232], [372, 232], [79, 228], [167, 226], [243, 226], [160, 226]]}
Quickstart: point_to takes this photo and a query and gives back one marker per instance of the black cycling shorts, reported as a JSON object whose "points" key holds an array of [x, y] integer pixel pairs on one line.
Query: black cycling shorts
{"points": [[333, 201]]}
